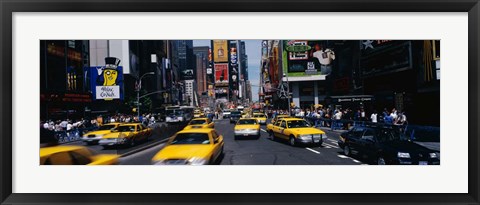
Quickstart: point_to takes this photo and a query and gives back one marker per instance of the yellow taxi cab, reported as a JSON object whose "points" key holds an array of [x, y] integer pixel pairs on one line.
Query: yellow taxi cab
{"points": [[274, 121], [191, 147], [247, 127], [244, 114], [200, 123], [198, 114], [94, 136], [296, 131], [126, 134], [75, 155], [262, 118]]}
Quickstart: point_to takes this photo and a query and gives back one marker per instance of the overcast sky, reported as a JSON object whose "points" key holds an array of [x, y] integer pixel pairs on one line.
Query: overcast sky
{"points": [[253, 50]]}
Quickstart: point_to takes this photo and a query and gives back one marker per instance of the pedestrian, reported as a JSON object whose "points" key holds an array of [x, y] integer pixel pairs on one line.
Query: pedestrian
{"points": [[389, 120], [401, 119], [373, 117], [69, 126], [362, 115]]}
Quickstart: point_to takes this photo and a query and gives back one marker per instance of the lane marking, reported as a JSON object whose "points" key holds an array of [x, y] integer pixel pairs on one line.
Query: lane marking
{"points": [[354, 160], [312, 150], [263, 130], [330, 145], [331, 140]]}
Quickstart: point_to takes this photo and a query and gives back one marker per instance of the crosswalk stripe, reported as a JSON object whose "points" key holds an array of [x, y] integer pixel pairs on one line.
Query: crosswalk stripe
{"points": [[312, 150], [263, 130], [330, 145]]}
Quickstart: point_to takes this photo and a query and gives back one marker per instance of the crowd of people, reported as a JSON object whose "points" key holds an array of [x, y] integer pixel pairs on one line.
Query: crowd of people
{"points": [[83, 123], [347, 116]]}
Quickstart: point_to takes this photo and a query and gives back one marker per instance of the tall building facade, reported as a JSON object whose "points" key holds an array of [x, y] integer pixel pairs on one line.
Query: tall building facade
{"points": [[183, 65], [64, 89], [201, 54]]}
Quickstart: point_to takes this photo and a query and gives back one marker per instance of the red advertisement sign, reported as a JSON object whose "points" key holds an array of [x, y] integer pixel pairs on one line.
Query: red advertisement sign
{"points": [[221, 74]]}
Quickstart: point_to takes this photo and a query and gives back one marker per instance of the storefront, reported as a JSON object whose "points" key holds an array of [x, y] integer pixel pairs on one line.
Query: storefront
{"points": [[399, 76]]}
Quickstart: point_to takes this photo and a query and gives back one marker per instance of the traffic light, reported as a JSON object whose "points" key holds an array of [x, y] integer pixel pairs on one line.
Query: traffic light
{"points": [[134, 110]]}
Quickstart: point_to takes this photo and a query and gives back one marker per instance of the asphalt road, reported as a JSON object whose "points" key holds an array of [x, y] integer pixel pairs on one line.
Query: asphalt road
{"points": [[263, 151], [161, 131]]}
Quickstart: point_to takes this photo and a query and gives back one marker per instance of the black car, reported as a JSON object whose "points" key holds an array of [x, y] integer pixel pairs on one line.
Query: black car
{"points": [[383, 145], [234, 116]]}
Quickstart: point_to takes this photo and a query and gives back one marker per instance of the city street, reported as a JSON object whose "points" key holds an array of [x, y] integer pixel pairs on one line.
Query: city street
{"points": [[263, 151], [132, 106]]}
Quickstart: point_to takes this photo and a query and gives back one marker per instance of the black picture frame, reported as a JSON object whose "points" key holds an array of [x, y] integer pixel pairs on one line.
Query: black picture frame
{"points": [[7, 8]]}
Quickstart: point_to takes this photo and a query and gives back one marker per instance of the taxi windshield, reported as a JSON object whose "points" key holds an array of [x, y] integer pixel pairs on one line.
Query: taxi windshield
{"points": [[198, 122], [106, 127], [297, 124], [258, 115], [247, 122], [128, 128], [191, 138]]}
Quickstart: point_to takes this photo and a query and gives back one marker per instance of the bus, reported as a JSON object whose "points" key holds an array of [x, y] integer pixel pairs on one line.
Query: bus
{"points": [[178, 114]]}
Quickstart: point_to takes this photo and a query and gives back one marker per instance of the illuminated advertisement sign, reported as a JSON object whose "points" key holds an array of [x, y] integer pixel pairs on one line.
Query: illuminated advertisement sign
{"points": [[106, 82], [221, 74], [220, 51]]}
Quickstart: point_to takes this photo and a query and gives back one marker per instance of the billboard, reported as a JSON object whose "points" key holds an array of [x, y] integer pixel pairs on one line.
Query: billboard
{"points": [[221, 74], [305, 58], [220, 51], [106, 82], [233, 66]]}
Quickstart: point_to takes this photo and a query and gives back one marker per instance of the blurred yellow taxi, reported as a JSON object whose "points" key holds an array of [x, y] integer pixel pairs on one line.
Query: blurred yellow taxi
{"points": [[126, 134], [75, 155], [198, 114], [262, 118], [191, 147], [247, 127], [94, 136], [197, 123]]}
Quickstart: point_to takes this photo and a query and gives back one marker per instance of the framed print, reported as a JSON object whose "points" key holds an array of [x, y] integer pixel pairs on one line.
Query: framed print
{"points": [[284, 102]]}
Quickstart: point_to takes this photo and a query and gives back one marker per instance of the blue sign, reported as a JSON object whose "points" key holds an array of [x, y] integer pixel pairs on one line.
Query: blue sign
{"points": [[106, 82]]}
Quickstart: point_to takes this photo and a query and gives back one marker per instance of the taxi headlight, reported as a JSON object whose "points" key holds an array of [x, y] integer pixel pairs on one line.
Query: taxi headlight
{"points": [[317, 136], [403, 155], [197, 161], [305, 136], [434, 155]]}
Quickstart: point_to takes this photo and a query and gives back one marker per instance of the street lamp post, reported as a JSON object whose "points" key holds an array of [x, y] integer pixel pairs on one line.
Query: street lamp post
{"points": [[139, 84], [285, 75]]}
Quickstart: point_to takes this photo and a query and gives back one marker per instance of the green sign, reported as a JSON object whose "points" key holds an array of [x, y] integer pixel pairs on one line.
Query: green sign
{"points": [[298, 48]]}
